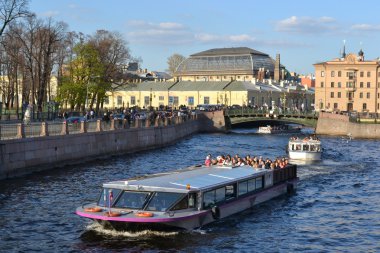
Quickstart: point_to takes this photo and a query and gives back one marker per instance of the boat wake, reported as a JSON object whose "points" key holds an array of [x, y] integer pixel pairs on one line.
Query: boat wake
{"points": [[114, 233]]}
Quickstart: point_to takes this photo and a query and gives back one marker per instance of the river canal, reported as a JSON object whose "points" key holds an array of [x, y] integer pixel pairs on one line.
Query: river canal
{"points": [[335, 209]]}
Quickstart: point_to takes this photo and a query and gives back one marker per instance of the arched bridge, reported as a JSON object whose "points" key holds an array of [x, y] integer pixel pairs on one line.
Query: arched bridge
{"points": [[257, 117]]}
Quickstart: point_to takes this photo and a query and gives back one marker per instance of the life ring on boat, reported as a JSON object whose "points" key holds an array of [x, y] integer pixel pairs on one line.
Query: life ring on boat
{"points": [[144, 214], [112, 214], [215, 211], [93, 209]]}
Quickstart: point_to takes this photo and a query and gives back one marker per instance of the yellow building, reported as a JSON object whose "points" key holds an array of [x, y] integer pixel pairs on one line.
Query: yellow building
{"points": [[349, 83], [230, 93]]}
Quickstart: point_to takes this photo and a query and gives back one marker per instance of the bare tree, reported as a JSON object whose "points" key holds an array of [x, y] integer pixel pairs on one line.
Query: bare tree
{"points": [[174, 61], [11, 10]]}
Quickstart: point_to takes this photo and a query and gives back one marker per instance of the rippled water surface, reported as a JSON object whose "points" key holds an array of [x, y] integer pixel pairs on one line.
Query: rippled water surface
{"points": [[335, 209]]}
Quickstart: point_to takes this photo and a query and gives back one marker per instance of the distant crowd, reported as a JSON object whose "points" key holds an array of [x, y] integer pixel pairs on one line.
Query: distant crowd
{"points": [[253, 161]]}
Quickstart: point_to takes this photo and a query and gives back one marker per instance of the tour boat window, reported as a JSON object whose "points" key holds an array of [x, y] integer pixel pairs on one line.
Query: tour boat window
{"points": [[187, 202], [298, 147], [318, 148], [251, 185], [220, 194], [243, 188], [163, 200], [312, 148], [208, 199], [132, 199], [259, 183], [305, 147], [105, 196], [230, 192]]}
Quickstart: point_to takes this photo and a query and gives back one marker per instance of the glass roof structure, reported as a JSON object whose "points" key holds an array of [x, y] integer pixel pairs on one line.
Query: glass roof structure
{"points": [[226, 60]]}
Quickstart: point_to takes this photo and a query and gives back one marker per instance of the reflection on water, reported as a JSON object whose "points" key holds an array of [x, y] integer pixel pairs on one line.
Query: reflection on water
{"points": [[334, 209]]}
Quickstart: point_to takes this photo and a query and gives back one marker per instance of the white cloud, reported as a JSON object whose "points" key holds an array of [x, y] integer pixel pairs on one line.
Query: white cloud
{"points": [[306, 25], [365, 27], [211, 38], [50, 13]]}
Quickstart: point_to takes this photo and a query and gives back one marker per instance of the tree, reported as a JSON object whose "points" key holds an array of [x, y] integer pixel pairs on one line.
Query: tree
{"points": [[11, 10], [174, 61]]}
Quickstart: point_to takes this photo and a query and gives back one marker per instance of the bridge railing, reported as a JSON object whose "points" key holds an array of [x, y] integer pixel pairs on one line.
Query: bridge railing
{"points": [[253, 112]]}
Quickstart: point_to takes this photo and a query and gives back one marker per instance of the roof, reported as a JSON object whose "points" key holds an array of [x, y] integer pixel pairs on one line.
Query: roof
{"points": [[146, 86], [229, 51], [200, 178], [199, 86]]}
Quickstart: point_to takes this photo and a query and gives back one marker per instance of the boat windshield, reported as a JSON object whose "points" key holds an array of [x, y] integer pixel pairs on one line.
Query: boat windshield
{"points": [[132, 199], [161, 201], [105, 196]]}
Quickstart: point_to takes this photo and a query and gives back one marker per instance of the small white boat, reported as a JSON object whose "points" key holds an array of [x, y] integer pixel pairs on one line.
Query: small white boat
{"points": [[279, 129], [308, 148]]}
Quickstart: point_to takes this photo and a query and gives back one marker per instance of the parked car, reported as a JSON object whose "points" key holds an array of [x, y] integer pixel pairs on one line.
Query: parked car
{"points": [[119, 116]]}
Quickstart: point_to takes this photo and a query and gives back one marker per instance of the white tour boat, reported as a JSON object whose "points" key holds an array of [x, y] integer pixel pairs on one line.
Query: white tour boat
{"points": [[308, 148], [187, 198], [282, 129]]}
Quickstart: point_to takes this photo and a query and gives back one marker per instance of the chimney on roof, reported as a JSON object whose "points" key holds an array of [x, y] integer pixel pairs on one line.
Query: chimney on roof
{"points": [[277, 73]]}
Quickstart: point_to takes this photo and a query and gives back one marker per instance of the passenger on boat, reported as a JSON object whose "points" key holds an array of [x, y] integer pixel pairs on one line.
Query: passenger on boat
{"points": [[208, 161]]}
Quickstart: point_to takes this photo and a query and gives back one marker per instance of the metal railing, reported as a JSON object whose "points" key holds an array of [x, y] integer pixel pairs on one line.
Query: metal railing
{"points": [[31, 130], [252, 112]]}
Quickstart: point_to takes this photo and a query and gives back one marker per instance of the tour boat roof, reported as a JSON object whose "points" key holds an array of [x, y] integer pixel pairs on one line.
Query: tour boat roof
{"points": [[199, 178]]}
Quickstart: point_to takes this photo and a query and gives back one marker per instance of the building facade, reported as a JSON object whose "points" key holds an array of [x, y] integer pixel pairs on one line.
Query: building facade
{"points": [[191, 94], [348, 83]]}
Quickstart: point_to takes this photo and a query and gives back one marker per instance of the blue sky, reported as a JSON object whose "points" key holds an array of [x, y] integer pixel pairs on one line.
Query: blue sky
{"points": [[303, 32]]}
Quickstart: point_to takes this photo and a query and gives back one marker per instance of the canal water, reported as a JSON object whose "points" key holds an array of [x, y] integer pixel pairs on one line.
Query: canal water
{"points": [[336, 207]]}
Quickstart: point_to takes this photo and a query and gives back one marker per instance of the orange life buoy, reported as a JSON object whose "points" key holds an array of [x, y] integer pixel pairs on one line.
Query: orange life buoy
{"points": [[93, 209], [112, 214], [144, 214]]}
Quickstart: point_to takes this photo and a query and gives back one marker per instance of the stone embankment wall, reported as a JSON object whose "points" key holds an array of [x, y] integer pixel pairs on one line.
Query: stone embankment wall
{"points": [[27, 155], [336, 124]]}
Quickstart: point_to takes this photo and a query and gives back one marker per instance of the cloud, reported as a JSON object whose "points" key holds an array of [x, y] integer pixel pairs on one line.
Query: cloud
{"points": [[168, 33], [212, 38], [50, 13], [365, 27], [306, 25]]}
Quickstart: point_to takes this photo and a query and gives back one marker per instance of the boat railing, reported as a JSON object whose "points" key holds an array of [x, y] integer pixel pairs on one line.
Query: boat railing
{"points": [[287, 173]]}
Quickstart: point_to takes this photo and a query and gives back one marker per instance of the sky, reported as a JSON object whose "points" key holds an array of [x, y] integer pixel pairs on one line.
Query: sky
{"points": [[302, 32]]}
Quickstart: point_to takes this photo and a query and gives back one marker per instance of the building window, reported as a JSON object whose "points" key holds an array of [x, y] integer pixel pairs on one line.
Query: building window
{"points": [[146, 100], [206, 100], [161, 98], [171, 100], [339, 94], [332, 73], [361, 95], [175, 101], [361, 84], [119, 100], [322, 73], [368, 95], [106, 100], [378, 85], [339, 85], [133, 100], [361, 74], [368, 84], [335, 106], [332, 94], [322, 84], [339, 73], [332, 84], [190, 100], [368, 74], [364, 106]]}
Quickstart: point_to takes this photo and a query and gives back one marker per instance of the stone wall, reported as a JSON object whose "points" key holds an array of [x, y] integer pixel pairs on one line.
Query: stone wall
{"points": [[27, 155], [212, 122], [335, 124]]}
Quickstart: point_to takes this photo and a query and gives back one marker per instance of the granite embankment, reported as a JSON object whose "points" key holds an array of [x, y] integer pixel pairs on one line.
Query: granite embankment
{"points": [[27, 155], [336, 124]]}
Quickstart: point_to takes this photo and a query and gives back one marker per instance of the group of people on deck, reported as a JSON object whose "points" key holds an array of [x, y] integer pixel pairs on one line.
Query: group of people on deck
{"points": [[253, 161], [309, 138]]}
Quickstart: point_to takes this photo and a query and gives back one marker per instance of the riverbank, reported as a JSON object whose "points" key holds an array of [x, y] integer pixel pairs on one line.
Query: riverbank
{"points": [[340, 125]]}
